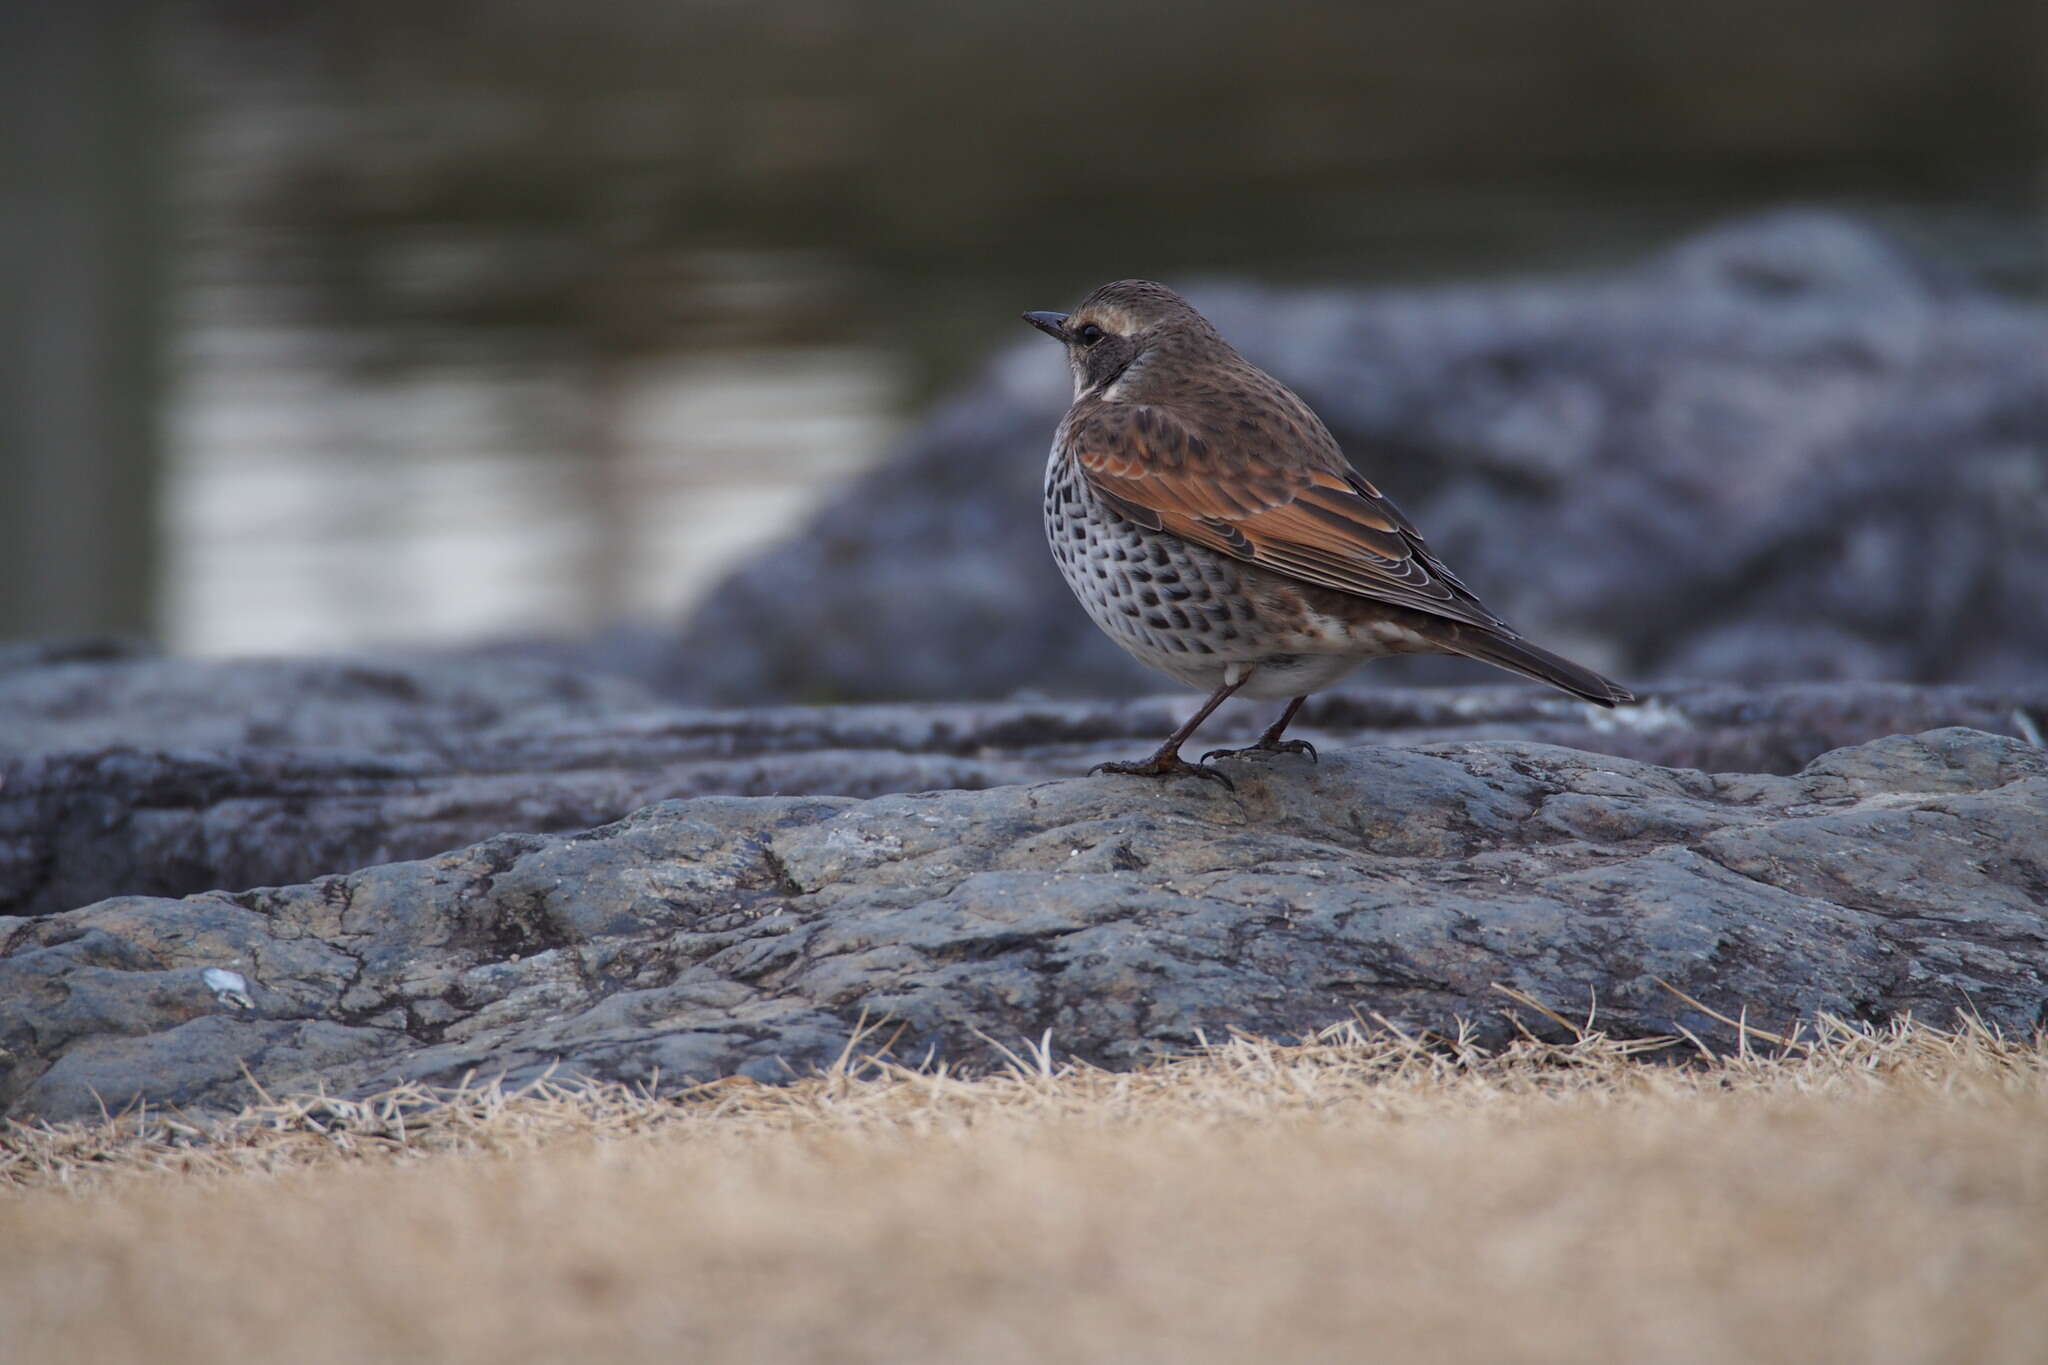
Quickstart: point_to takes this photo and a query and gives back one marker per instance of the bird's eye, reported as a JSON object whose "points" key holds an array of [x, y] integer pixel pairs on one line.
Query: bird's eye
{"points": [[1089, 334]]}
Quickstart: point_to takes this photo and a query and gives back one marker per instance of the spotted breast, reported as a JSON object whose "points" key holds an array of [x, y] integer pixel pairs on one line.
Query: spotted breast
{"points": [[1198, 616]]}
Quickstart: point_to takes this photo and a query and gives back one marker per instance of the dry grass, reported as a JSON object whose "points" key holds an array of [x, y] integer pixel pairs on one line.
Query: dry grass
{"points": [[1863, 1196]]}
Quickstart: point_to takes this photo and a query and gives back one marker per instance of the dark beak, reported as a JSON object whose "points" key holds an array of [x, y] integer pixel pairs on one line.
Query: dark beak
{"points": [[1053, 325]]}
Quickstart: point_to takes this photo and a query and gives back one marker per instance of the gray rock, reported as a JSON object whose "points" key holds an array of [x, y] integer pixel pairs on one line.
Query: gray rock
{"points": [[68, 696], [134, 775], [1783, 450], [1120, 917]]}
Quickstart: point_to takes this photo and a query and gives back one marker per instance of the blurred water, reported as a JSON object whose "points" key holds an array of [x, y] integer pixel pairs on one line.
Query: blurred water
{"points": [[311, 507], [528, 330]]}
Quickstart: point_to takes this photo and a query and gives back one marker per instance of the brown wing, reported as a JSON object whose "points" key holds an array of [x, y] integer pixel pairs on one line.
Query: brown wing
{"points": [[1314, 519]]}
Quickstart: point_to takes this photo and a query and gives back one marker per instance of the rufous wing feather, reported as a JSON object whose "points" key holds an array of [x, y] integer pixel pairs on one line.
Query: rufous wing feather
{"points": [[1315, 519]]}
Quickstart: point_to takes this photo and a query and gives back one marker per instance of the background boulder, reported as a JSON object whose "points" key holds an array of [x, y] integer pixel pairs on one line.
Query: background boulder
{"points": [[1785, 450]]}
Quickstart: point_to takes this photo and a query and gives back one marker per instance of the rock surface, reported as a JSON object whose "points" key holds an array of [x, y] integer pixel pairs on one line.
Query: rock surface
{"points": [[1117, 916], [132, 775], [1787, 449]]}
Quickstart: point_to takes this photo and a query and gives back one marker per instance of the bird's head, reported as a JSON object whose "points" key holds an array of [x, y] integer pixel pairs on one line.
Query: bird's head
{"points": [[1116, 328]]}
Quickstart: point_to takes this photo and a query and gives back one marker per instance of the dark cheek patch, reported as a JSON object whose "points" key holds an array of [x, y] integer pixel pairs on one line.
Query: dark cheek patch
{"points": [[1106, 360]]}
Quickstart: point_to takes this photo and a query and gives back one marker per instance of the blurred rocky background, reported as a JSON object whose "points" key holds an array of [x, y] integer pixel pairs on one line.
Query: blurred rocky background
{"points": [[1788, 449], [677, 340]]}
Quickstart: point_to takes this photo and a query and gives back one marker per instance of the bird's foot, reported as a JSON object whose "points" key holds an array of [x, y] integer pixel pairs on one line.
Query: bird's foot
{"points": [[1267, 746], [1164, 764]]}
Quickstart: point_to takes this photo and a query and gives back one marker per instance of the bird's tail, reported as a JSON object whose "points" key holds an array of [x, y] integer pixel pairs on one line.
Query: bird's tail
{"points": [[1519, 656]]}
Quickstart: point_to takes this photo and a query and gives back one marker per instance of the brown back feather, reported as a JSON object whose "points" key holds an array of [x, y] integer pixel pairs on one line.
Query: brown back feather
{"points": [[1273, 490]]}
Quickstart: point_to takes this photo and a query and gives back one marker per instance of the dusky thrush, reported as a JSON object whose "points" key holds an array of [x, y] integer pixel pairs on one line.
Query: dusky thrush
{"points": [[1210, 525]]}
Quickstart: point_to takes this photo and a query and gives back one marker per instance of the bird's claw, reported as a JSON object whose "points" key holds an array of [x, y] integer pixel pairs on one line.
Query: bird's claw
{"points": [[1164, 765], [1277, 746]]}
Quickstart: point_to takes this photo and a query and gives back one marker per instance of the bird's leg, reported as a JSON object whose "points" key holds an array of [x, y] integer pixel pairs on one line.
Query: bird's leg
{"points": [[1168, 762], [1270, 742]]}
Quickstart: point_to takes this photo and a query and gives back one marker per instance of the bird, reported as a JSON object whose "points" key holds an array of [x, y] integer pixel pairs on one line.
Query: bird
{"points": [[1211, 525]]}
